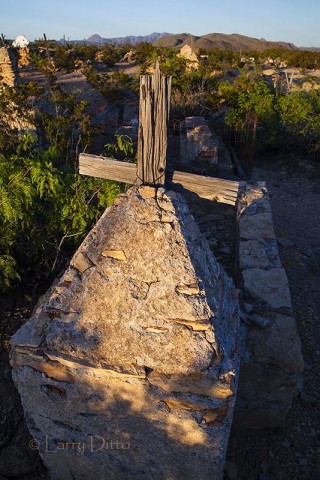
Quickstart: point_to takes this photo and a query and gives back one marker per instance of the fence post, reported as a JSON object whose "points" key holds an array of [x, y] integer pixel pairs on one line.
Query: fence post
{"points": [[154, 110]]}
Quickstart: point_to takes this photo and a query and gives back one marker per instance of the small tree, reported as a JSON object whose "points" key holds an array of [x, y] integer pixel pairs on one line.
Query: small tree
{"points": [[250, 105], [300, 120]]}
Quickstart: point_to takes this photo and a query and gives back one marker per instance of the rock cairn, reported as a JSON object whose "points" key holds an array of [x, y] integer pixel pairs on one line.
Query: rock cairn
{"points": [[24, 57], [198, 147], [128, 367], [8, 67]]}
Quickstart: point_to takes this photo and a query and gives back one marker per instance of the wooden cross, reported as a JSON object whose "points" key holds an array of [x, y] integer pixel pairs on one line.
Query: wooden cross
{"points": [[154, 109]]}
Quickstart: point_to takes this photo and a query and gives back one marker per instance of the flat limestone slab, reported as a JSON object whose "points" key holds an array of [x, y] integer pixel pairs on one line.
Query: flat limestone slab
{"points": [[255, 226], [272, 363], [128, 367], [270, 285]]}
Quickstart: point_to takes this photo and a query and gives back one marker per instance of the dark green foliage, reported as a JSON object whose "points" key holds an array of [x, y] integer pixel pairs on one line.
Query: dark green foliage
{"points": [[112, 86], [302, 59], [292, 58], [145, 53], [221, 59], [65, 57], [250, 103], [269, 118], [109, 54], [123, 149], [300, 120], [86, 53], [194, 94], [45, 207], [41, 205]]}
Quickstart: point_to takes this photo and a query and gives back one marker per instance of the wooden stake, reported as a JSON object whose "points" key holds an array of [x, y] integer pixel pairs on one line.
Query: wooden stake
{"points": [[154, 110]]}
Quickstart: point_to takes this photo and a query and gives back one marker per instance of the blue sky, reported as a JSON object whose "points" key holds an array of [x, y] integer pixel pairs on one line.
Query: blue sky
{"points": [[293, 21]]}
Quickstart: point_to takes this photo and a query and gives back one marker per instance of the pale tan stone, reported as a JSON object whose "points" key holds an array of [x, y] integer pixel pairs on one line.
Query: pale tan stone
{"points": [[147, 191], [269, 285], [81, 262], [155, 329], [195, 325], [257, 226], [116, 254], [192, 289], [119, 199], [119, 338], [197, 385]]}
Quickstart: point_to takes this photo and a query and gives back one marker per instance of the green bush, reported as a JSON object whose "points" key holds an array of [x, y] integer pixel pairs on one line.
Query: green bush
{"points": [[45, 210], [300, 120]]}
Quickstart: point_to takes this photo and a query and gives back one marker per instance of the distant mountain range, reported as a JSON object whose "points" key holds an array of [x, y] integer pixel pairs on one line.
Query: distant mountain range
{"points": [[132, 40], [310, 49], [211, 41], [222, 41]]}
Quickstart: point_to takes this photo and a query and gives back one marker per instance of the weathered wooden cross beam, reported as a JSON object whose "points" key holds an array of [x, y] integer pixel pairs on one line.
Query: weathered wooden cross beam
{"points": [[154, 109]]}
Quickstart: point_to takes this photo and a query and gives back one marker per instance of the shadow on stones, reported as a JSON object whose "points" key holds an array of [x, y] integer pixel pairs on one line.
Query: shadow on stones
{"points": [[123, 444], [217, 222], [123, 426]]}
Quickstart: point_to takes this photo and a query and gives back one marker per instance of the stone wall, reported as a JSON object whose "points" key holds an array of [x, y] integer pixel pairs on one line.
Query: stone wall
{"points": [[272, 363], [24, 57], [8, 67], [9, 75], [128, 367]]}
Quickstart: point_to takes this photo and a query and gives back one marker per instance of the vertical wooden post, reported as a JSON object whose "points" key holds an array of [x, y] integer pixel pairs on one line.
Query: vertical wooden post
{"points": [[46, 46], [154, 110]]}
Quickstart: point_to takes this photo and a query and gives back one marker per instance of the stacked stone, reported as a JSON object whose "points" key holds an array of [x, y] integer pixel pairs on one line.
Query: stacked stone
{"points": [[272, 365], [8, 67], [199, 149], [188, 54], [24, 57], [128, 367]]}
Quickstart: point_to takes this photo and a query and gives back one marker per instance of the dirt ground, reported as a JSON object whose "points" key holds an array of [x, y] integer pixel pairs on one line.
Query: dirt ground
{"points": [[74, 82]]}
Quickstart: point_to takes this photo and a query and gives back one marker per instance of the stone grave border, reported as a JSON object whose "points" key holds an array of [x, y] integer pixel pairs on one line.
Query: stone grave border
{"points": [[272, 363]]}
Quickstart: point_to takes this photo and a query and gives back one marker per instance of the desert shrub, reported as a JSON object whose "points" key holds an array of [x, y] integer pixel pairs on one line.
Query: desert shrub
{"points": [[104, 84], [45, 207], [45, 210], [145, 53], [122, 149], [300, 120]]}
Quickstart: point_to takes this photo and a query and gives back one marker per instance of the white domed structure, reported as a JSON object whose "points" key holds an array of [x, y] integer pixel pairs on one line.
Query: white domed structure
{"points": [[20, 42]]}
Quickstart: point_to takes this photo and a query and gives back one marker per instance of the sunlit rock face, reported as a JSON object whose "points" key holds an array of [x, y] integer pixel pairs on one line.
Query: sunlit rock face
{"points": [[9, 74], [128, 367]]}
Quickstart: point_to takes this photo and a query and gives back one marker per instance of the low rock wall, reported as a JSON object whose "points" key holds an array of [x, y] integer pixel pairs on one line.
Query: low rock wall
{"points": [[272, 363]]}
